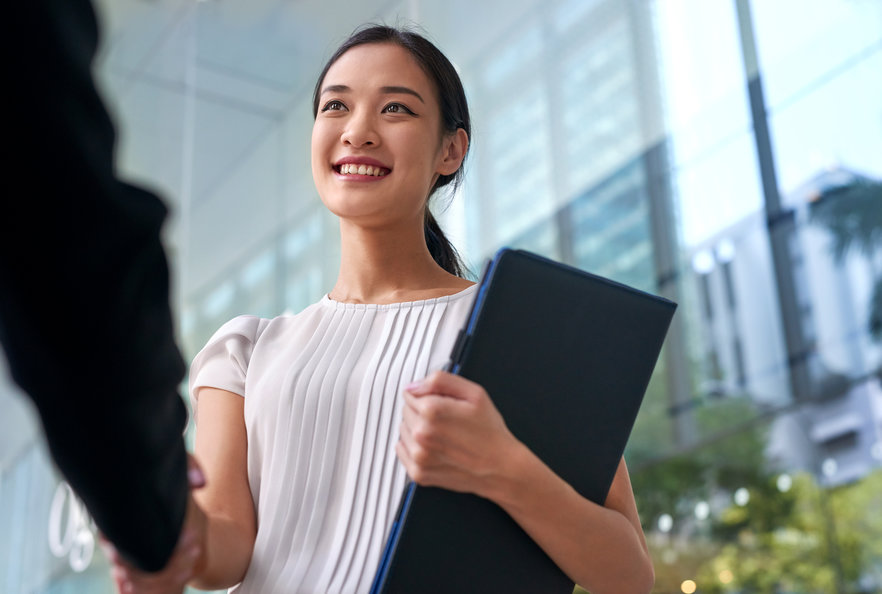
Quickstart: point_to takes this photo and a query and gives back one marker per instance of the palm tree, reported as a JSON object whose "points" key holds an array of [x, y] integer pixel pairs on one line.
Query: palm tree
{"points": [[852, 212]]}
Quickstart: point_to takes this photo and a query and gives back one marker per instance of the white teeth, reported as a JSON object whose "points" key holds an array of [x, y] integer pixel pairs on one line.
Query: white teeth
{"points": [[353, 169]]}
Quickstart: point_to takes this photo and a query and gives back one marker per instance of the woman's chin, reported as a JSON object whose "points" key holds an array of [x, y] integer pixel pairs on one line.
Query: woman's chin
{"points": [[350, 209], [368, 212]]}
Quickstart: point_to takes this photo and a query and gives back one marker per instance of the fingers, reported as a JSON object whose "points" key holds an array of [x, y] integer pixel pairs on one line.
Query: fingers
{"points": [[428, 437], [446, 384], [421, 465], [119, 570], [421, 440], [171, 580], [430, 408], [182, 567], [121, 580], [414, 443], [426, 469], [413, 471], [452, 434], [195, 476]]}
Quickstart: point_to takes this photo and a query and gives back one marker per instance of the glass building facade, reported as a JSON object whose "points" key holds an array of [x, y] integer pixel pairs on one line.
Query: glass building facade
{"points": [[726, 154]]}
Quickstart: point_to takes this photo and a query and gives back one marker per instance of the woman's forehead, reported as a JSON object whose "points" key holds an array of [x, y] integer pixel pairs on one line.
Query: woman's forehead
{"points": [[372, 66]]}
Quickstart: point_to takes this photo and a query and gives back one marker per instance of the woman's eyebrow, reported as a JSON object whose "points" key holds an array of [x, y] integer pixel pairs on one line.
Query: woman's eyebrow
{"points": [[406, 90], [387, 90], [335, 89]]}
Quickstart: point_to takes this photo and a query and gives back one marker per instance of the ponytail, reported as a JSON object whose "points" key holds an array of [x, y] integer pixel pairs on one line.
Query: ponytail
{"points": [[441, 249]]}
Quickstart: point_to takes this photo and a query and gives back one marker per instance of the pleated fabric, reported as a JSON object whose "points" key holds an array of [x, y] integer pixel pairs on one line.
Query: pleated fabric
{"points": [[323, 396]]}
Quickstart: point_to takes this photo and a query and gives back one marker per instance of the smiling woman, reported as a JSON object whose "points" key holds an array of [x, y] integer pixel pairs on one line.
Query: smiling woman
{"points": [[309, 424], [425, 90], [379, 120]]}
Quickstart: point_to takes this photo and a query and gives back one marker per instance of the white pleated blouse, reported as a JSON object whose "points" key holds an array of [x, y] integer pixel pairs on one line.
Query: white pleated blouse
{"points": [[323, 401]]}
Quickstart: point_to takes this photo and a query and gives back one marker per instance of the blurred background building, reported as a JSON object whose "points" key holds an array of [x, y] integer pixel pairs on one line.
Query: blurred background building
{"points": [[724, 153]]}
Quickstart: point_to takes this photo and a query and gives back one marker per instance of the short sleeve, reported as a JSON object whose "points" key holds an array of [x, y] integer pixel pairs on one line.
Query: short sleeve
{"points": [[223, 361]]}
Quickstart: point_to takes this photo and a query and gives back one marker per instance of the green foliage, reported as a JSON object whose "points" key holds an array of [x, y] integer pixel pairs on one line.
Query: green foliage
{"points": [[662, 485], [857, 509], [776, 543], [652, 429], [804, 539], [660, 488], [739, 459], [794, 541], [853, 215]]}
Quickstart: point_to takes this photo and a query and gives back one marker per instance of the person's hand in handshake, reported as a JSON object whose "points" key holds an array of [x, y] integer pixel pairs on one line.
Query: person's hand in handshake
{"points": [[186, 561]]}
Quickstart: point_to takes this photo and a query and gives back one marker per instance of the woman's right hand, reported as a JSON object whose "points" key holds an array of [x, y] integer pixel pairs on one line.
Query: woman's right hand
{"points": [[186, 562]]}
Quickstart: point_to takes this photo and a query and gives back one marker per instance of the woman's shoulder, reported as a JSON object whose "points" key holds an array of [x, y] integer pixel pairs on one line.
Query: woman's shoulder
{"points": [[238, 338], [243, 327], [252, 327]]}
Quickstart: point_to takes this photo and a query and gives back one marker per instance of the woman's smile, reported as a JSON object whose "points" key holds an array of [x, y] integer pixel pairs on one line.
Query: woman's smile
{"points": [[360, 169]]}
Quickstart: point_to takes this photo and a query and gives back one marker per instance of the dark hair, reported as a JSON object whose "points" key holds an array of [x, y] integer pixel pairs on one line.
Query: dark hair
{"points": [[454, 115]]}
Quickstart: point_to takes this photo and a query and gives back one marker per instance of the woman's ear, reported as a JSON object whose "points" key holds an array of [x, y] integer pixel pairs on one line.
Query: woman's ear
{"points": [[453, 151]]}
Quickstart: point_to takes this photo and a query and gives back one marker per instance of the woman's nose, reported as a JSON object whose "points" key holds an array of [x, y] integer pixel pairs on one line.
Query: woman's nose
{"points": [[360, 131]]}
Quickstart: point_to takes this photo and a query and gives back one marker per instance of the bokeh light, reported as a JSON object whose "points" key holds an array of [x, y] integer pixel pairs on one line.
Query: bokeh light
{"points": [[784, 483], [665, 522]]}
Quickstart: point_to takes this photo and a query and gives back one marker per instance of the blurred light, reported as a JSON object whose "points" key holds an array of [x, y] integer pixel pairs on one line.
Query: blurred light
{"points": [[703, 262], [726, 576], [784, 483], [876, 450], [742, 496], [725, 250], [688, 587], [829, 467], [702, 510], [665, 522]]}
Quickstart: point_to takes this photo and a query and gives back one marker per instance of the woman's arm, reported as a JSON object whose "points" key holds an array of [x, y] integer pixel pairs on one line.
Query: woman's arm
{"points": [[601, 548], [221, 449], [452, 436]]}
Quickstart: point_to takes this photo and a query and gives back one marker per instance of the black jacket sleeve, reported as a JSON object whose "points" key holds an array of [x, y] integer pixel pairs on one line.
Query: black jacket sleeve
{"points": [[85, 320]]}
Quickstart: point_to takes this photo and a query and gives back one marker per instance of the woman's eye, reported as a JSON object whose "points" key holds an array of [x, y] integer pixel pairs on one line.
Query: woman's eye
{"points": [[397, 108], [333, 106]]}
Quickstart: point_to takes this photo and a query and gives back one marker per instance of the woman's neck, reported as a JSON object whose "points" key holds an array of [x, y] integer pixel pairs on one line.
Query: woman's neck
{"points": [[389, 266]]}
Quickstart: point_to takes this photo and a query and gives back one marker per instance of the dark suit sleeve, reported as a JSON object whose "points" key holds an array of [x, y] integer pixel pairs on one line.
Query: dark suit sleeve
{"points": [[84, 288]]}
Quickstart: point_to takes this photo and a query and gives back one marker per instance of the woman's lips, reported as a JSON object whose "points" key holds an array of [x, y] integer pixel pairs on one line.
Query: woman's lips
{"points": [[357, 168], [348, 169]]}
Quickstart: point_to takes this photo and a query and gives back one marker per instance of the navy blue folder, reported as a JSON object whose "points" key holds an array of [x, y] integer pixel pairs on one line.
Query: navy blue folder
{"points": [[566, 357]]}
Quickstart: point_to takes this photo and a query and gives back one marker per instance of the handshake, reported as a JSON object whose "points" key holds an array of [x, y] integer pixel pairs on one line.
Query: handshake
{"points": [[187, 560]]}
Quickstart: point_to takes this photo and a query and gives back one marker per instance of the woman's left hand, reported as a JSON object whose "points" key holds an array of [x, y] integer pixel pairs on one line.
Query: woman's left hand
{"points": [[452, 435]]}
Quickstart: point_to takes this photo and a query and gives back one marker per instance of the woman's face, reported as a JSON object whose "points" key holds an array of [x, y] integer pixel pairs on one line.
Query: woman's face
{"points": [[377, 145]]}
